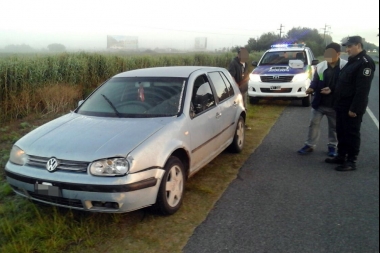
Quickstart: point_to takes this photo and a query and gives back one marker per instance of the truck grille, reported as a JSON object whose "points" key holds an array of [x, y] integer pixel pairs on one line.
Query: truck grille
{"points": [[276, 79], [283, 90]]}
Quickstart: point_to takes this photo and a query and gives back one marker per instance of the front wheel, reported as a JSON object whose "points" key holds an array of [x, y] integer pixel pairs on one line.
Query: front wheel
{"points": [[170, 194], [237, 144], [253, 100], [306, 101]]}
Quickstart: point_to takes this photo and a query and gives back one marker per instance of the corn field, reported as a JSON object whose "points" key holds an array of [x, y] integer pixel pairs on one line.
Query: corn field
{"points": [[26, 82]]}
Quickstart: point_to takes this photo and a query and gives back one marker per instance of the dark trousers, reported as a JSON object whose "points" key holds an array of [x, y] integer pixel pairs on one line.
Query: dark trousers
{"points": [[348, 133]]}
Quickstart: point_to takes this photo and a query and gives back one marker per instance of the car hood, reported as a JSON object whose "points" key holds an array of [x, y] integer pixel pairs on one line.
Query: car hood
{"points": [[87, 138], [278, 69]]}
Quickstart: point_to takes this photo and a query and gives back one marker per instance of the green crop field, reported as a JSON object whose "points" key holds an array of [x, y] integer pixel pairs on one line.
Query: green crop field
{"points": [[30, 83]]}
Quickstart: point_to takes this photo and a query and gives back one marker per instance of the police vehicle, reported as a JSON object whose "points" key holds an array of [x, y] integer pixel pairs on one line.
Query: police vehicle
{"points": [[283, 72]]}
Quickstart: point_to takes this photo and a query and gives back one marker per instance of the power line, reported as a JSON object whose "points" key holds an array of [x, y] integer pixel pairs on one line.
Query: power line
{"points": [[190, 31]]}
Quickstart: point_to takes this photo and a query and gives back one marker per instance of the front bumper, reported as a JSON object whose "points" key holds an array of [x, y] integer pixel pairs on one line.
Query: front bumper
{"points": [[296, 90], [73, 190]]}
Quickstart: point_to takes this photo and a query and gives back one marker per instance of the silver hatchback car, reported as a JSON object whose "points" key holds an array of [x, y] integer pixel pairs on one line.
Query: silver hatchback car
{"points": [[133, 142]]}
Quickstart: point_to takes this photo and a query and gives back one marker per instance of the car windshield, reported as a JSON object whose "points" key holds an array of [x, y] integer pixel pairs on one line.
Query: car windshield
{"points": [[136, 97], [282, 57]]}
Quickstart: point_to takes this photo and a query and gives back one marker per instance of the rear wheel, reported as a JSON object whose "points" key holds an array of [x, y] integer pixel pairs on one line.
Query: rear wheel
{"points": [[306, 101], [170, 194], [238, 143]]}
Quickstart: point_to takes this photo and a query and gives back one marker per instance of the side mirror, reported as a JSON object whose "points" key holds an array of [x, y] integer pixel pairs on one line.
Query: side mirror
{"points": [[254, 63], [314, 62], [80, 102]]}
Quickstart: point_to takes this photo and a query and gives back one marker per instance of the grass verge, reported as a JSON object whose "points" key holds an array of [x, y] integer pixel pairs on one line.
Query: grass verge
{"points": [[26, 227]]}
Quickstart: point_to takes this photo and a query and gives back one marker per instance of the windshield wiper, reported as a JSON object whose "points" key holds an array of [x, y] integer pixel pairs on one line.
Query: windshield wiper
{"points": [[113, 107]]}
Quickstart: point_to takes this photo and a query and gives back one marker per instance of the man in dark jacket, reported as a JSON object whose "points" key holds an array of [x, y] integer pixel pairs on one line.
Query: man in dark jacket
{"points": [[352, 92], [323, 86], [239, 71]]}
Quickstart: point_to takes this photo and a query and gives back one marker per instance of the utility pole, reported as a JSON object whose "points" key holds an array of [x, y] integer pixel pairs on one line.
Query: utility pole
{"points": [[281, 26], [327, 27]]}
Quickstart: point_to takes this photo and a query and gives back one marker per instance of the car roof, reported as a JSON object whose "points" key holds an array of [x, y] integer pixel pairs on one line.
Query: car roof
{"points": [[170, 71]]}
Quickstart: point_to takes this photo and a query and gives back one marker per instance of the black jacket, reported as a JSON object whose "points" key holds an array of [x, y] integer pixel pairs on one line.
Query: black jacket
{"points": [[354, 84], [236, 70], [319, 82]]}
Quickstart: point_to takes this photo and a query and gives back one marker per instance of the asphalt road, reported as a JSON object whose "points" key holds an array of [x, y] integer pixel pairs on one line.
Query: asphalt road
{"points": [[285, 202]]}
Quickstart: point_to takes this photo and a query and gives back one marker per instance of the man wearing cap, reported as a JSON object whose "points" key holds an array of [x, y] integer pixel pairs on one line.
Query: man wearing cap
{"points": [[323, 86], [351, 101]]}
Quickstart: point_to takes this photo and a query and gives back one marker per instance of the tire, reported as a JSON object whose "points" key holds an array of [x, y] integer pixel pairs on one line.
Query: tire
{"points": [[306, 101], [170, 193], [238, 143], [253, 100]]}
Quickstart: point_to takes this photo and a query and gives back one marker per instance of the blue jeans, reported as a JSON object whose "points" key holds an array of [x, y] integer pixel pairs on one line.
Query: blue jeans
{"points": [[314, 127]]}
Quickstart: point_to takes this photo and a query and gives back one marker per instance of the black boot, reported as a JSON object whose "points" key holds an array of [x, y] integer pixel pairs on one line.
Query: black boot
{"points": [[336, 160], [348, 166]]}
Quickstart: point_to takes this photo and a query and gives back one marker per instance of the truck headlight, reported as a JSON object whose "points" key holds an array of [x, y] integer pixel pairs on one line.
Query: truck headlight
{"points": [[110, 167], [300, 77], [254, 78], [18, 156]]}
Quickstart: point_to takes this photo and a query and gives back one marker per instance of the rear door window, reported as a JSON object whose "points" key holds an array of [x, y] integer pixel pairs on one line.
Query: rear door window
{"points": [[223, 90]]}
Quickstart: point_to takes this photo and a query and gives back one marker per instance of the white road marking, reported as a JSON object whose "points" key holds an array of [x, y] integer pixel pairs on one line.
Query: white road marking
{"points": [[373, 117]]}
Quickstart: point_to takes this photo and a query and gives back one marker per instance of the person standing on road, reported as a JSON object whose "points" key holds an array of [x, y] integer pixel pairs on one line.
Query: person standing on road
{"points": [[238, 69], [323, 87], [352, 92]]}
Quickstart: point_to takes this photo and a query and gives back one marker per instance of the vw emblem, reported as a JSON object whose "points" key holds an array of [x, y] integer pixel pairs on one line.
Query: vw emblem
{"points": [[276, 77], [52, 164]]}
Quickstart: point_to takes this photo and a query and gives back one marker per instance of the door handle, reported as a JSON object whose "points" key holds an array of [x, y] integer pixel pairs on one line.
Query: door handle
{"points": [[235, 104], [218, 115]]}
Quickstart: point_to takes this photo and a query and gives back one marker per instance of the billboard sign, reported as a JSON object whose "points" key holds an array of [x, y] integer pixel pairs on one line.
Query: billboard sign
{"points": [[200, 43], [122, 42]]}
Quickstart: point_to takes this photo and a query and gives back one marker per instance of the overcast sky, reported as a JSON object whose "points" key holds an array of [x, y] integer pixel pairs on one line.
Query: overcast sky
{"points": [[80, 24]]}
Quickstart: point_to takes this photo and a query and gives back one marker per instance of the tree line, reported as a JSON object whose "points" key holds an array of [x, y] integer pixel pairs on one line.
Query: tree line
{"points": [[311, 37]]}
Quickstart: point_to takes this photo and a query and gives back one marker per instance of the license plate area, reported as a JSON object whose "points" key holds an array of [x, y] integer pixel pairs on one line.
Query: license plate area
{"points": [[275, 87], [47, 189]]}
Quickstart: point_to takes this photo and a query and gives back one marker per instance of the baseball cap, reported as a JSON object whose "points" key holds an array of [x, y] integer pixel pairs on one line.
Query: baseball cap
{"points": [[353, 40]]}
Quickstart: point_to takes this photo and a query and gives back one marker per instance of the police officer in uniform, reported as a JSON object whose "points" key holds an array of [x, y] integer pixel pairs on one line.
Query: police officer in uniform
{"points": [[351, 101]]}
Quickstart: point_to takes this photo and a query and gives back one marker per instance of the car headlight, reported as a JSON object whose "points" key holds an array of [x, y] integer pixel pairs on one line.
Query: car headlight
{"points": [[110, 167], [300, 77], [254, 77], [18, 156]]}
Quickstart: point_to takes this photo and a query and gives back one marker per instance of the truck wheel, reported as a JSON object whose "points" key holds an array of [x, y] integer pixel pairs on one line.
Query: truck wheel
{"points": [[253, 100], [306, 101]]}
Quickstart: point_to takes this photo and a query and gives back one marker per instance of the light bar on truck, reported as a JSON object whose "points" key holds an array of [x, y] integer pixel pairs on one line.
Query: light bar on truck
{"points": [[288, 45]]}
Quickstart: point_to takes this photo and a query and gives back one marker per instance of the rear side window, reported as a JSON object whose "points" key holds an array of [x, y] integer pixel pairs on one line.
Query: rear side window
{"points": [[223, 90]]}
